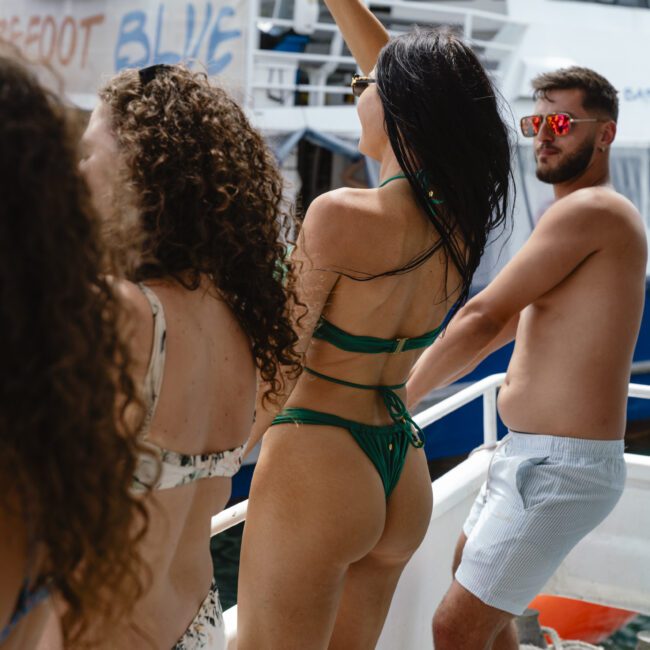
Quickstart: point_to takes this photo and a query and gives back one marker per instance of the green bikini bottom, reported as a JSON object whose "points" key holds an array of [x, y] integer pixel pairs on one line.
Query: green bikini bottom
{"points": [[385, 446]]}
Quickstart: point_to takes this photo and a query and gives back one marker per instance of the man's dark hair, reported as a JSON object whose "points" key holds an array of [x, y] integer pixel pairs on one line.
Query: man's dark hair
{"points": [[599, 94]]}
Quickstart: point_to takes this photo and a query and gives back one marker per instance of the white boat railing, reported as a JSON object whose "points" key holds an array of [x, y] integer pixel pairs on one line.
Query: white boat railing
{"points": [[485, 388], [272, 70]]}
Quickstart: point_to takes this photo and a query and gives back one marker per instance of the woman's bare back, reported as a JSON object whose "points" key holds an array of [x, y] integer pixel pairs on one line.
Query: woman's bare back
{"points": [[206, 405], [379, 230]]}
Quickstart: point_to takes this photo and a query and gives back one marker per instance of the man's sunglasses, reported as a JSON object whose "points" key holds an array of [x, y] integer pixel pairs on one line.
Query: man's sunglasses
{"points": [[559, 123], [359, 84]]}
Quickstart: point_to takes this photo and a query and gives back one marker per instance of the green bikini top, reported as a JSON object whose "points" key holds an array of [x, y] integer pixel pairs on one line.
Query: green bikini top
{"points": [[326, 331], [329, 332]]}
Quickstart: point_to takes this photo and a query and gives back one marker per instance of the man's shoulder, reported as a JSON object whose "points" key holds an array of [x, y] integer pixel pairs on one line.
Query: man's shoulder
{"points": [[596, 202], [601, 209]]}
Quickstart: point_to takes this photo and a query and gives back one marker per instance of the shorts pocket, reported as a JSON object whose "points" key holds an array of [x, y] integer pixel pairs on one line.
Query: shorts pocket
{"points": [[530, 482]]}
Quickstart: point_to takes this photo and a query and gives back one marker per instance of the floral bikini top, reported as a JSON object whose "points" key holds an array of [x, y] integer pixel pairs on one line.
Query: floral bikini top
{"points": [[176, 469]]}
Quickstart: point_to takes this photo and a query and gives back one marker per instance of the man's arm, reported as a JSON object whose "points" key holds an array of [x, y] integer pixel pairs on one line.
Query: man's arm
{"points": [[570, 231], [363, 33], [430, 371]]}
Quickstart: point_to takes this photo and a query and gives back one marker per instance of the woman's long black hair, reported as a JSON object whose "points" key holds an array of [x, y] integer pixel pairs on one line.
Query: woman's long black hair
{"points": [[443, 122]]}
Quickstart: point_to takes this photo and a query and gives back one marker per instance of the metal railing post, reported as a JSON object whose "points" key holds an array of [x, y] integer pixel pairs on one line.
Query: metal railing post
{"points": [[490, 415], [252, 44], [468, 26]]}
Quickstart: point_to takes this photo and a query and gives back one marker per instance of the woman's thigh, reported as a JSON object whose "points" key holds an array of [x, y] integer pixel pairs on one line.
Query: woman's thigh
{"points": [[317, 506]]}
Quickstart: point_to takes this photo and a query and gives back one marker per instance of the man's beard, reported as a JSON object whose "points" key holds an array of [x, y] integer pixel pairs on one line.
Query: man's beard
{"points": [[573, 166]]}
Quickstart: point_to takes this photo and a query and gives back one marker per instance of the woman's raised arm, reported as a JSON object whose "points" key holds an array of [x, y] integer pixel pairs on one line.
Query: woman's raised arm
{"points": [[363, 33]]}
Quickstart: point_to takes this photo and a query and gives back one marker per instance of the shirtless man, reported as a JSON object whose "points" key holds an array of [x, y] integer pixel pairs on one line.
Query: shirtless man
{"points": [[573, 296]]}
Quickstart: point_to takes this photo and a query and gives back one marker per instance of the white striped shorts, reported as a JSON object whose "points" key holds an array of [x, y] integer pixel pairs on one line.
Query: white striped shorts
{"points": [[543, 494]]}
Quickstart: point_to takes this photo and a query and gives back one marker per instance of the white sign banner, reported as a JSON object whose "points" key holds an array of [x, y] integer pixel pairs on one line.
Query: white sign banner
{"points": [[87, 41]]}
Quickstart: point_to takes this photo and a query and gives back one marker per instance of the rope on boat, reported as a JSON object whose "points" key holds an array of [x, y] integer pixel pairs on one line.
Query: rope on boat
{"points": [[558, 644]]}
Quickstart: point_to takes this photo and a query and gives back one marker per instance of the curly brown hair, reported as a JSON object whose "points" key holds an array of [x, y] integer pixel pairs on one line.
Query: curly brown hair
{"points": [[67, 450], [209, 198]]}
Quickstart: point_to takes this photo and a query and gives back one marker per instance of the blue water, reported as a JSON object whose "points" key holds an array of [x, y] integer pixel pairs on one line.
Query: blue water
{"points": [[625, 639], [225, 549]]}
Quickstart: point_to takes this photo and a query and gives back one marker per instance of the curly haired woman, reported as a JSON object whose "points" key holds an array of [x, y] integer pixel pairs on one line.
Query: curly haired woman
{"points": [[175, 157], [69, 523], [342, 466]]}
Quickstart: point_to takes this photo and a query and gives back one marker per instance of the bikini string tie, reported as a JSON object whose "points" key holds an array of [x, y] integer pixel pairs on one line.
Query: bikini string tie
{"points": [[399, 413]]}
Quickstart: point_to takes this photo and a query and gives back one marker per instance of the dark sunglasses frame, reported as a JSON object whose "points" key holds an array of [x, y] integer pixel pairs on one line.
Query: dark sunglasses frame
{"points": [[149, 73], [551, 121], [360, 83]]}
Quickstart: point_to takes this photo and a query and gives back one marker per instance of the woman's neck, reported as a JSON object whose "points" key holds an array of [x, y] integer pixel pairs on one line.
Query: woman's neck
{"points": [[389, 166]]}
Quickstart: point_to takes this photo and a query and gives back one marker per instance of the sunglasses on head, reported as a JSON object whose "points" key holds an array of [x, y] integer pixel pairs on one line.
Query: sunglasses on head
{"points": [[148, 74], [559, 123], [360, 83]]}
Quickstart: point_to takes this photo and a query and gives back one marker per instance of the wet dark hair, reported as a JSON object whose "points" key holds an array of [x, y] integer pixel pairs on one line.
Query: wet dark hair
{"points": [[443, 122], [209, 198], [598, 93], [67, 449]]}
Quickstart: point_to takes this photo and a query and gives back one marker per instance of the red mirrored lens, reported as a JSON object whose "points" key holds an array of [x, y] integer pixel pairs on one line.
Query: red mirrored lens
{"points": [[560, 123], [530, 125]]}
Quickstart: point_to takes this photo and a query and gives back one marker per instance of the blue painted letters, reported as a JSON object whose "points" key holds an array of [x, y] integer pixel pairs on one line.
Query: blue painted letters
{"points": [[132, 32], [169, 58], [218, 36], [204, 38]]}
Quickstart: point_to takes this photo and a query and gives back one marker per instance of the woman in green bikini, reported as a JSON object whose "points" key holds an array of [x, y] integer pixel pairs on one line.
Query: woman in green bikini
{"points": [[341, 496]]}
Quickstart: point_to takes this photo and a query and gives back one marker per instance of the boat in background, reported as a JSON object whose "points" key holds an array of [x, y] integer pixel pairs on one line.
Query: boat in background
{"points": [[577, 619]]}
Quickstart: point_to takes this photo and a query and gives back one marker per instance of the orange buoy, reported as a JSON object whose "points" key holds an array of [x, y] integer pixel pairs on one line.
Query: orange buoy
{"points": [[579, 620]]}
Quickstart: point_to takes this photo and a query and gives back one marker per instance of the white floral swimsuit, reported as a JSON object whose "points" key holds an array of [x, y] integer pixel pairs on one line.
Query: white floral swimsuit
{"points": [[206, 630]]}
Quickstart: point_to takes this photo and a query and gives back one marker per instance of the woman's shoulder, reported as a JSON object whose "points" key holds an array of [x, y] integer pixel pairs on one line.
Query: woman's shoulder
{"points": [[131, 297], [136, 322], [337, 223], [343, 202]]}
